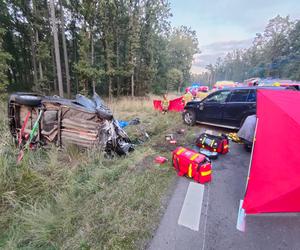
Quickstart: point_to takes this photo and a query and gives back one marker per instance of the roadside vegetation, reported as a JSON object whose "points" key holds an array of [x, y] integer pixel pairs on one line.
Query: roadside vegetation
{"points": [[73, 199]]}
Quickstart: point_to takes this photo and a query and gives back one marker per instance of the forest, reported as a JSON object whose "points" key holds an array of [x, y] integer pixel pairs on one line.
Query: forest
{"points": [[114, 47], [274, 53]]}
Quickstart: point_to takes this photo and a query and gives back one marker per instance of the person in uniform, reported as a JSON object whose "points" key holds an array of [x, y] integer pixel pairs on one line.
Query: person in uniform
{"points": [[187, 97], [165, 104]]}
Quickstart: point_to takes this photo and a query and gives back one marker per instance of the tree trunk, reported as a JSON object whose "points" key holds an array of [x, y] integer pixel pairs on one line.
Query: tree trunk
{"points": [[132, 84], [110, 96], [37, 41], [56, 49], [92, 60], [107, 66], [54, 69], [62, 20], [33, 51], [40, 64], [118, 62]]}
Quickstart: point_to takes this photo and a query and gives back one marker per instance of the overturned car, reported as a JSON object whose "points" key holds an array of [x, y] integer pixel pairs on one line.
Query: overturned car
{"points": [[41, 120]]}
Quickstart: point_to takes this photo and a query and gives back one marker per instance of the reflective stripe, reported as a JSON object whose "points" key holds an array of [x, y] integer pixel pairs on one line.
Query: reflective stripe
{"points": [[206, 173], [212, 143], [194, 157], [190, 171], [180, 151]]}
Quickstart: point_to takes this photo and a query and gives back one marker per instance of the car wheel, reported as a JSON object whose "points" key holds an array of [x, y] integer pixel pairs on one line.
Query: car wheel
{"points": [[189, 117], [104, 112], [27, 99]]}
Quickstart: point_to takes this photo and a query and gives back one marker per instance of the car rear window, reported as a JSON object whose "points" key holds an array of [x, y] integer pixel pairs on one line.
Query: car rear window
{"points": [[239, 95]]}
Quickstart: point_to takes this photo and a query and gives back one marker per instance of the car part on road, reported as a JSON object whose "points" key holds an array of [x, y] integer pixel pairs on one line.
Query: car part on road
{"points": [[192, 164], [214, 143]]}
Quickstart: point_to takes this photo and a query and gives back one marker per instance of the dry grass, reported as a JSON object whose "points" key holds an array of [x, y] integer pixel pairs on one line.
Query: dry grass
{"points": [[74, 199]]}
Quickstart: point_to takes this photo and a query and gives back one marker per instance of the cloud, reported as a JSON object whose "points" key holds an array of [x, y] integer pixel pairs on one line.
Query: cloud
{"points": [[211, 52], [223, 20]]}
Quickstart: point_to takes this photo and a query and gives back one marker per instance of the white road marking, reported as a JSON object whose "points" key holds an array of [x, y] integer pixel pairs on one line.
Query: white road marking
{"points": [[206, 215], [192, 205], [241, 222]]}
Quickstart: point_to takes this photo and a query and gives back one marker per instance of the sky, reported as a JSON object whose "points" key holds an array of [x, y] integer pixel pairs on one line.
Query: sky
{"points": [[225, 25]]}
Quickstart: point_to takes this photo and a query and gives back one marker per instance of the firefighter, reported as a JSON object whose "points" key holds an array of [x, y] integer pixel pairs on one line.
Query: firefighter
{"points": [[165, 104], [187, 97]]}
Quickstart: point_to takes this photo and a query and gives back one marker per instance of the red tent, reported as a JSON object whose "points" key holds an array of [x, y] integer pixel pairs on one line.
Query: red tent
{"points": [[274, 177]]}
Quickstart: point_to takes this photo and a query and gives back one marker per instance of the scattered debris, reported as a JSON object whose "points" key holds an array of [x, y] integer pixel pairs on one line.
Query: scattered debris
{"points": [[169, 137], [160, 159], [180, 131], [173, 141], [124, 124]]}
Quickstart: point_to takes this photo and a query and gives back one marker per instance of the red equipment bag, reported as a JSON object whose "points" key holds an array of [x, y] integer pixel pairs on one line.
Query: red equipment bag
{"points": [[192, 164], [213, 143]]}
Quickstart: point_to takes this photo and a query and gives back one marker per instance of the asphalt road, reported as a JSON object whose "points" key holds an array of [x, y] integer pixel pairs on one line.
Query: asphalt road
{"points": [[218, 219]]}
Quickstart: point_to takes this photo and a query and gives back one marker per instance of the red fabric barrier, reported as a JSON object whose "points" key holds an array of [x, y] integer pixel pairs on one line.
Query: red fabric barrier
{"points": [[157, 105], [174, 105], [273, 184]]}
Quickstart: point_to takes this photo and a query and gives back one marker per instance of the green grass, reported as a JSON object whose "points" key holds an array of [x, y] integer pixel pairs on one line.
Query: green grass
{"points": [[72, 199]]}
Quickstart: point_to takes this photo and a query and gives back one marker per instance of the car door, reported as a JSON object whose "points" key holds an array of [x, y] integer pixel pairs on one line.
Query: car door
{"points": [[240, 102], [211, 108]]}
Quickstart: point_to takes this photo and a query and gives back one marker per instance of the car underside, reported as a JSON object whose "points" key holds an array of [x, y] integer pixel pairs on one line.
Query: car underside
{"points": [[82, 121]]}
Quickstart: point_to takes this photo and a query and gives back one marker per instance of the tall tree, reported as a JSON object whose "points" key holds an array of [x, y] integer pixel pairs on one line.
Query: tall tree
{"points": [[56, 48], [4, 58], [66, 61]]}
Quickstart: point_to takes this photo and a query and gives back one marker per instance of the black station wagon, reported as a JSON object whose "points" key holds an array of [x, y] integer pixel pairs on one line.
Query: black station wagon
{"points": [[223, 108]]}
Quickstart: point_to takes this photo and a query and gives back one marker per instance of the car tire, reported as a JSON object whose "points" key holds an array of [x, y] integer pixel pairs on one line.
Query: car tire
{"points": [[104, 112], [189, 117], [29, 100]]}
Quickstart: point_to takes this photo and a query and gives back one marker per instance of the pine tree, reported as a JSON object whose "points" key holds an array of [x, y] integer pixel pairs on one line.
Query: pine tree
{"points": [[4, 67]]}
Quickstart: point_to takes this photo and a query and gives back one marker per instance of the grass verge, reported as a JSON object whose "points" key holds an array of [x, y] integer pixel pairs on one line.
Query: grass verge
{"points": [[79, 200]]}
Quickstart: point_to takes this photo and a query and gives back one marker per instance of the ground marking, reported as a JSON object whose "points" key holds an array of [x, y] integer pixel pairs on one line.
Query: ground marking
{"points": [[191, 208], [206, 215]]}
